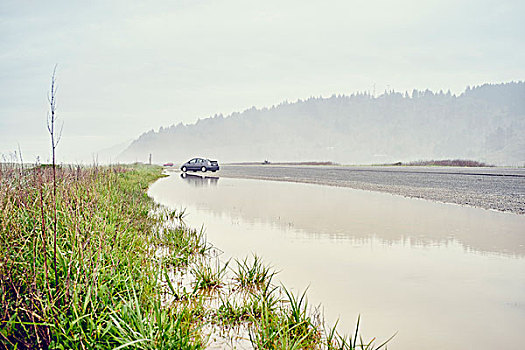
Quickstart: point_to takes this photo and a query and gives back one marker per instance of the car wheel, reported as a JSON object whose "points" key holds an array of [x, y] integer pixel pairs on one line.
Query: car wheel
{"points": [[184, 169], [203, 169]]}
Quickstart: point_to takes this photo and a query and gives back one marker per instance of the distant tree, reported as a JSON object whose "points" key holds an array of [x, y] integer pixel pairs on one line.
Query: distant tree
{"points": [[359, 127], [428, 93]]}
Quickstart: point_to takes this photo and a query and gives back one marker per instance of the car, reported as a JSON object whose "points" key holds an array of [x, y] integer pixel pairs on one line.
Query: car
{"points": [[201, 164]]}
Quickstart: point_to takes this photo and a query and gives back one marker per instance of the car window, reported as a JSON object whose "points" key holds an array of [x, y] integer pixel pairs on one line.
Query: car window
{"points": [[192, 161]]}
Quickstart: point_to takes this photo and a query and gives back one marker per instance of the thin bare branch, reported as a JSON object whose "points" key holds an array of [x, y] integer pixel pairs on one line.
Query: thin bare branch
{"points": [[59, 137], [51, 119]]}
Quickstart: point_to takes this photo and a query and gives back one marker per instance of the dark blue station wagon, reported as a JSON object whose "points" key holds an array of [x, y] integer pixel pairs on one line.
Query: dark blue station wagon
{"points": [[201, 164]]}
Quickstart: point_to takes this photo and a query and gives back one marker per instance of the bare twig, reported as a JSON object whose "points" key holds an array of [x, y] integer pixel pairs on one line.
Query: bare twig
{"points": [[21, 159], [51, 120]]}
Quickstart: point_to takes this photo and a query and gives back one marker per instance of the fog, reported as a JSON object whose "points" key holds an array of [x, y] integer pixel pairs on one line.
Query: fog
{"points": [[485, 123], [125, 67]]}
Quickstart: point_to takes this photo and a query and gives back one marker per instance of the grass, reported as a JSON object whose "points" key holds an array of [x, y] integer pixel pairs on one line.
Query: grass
{"points": [[252, 275], [232, 313], [106, 293], [208, 276], [287, 326], [129, 273], [181, 243]]}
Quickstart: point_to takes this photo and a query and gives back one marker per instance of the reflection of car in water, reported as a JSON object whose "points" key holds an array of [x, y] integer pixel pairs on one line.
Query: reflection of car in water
{"points": [[200, 181], [200, 164]]}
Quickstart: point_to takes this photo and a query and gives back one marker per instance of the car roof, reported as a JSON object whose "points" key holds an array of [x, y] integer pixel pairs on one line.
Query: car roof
{"points": [[201, 158]]}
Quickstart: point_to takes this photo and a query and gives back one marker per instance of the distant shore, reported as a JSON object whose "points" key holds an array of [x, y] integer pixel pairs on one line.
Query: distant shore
{"points": [[465, 163], [286, 163]]}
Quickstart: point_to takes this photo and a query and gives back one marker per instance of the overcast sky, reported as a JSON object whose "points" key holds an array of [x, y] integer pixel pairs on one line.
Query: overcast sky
{"points": [[125, 67]]}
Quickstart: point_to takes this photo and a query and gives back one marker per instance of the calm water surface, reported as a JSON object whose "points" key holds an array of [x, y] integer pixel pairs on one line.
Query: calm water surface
{"points": [[442, 275]]}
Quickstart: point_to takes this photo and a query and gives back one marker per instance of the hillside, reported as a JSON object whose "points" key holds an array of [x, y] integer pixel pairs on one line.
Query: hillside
{"points": [[484, 123]]}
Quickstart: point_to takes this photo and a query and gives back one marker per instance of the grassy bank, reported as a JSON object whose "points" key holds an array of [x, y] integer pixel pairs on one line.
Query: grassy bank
{"points": [[95, 263]]}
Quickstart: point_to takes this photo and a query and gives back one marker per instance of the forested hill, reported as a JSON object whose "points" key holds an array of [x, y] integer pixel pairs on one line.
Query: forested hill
{"points": [[484, 123]]}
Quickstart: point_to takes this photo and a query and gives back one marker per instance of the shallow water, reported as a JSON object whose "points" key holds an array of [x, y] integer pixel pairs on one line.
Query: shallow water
{"points": [[441, 275], [501, 189]]}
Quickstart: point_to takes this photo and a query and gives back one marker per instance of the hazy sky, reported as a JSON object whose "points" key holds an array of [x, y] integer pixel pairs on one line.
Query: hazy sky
{"points": [[125, 67]]}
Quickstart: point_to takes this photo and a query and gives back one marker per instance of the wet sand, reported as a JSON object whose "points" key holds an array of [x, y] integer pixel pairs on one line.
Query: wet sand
{"points": [[501, 189], [443, 276]]}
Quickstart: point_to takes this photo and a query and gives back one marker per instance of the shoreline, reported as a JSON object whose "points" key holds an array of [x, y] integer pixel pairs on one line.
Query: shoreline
{"points": [[506, 203], [128, 270]]}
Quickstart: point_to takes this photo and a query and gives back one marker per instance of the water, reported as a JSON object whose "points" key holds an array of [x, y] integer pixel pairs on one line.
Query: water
{"points": [[441, 275], [501, 189]]}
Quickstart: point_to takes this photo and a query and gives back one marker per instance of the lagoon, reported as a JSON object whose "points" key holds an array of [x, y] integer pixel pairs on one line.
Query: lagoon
{"points": [[441, 275]]}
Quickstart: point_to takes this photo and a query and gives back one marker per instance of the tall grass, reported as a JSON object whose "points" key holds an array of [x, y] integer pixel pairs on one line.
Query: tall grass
{"points": [[105, 291]]}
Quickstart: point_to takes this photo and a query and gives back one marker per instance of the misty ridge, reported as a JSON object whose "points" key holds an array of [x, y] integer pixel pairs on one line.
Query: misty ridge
{"points": [[485, 123]]}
